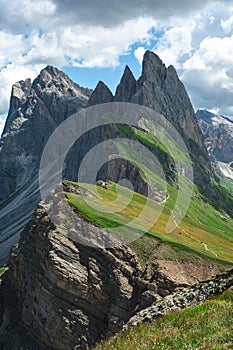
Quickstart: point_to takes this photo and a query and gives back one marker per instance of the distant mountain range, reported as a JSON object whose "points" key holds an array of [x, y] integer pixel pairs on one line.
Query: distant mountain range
{"points": [[218, 133]]}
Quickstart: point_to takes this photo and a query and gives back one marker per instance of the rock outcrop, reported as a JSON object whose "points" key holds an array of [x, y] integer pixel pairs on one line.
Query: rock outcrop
{"points": [[101, 94], [65, 294], [60, 294], [218, 133], [35, 111], [189, 297], [160, 89]]}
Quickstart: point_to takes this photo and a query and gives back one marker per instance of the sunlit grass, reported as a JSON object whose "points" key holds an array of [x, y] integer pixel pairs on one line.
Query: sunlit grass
{"points": [[203, 229], [208, 326]]}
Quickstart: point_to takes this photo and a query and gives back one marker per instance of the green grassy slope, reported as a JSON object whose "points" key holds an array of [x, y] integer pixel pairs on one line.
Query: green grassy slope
{"points": [[204, 230], [208, 326]]}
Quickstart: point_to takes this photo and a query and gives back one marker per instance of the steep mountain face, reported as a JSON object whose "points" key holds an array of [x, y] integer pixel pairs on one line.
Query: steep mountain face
{"points": [[218, 133], [159, 88], [60, 294], [35, 111], [37, 108]]}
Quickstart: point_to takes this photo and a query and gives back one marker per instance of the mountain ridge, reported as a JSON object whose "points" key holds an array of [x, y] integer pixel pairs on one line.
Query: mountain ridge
{"points": [[38, 107], [64, 287]]}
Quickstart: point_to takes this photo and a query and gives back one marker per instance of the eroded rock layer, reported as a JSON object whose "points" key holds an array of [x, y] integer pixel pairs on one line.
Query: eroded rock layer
{"points": [[60, 294]]}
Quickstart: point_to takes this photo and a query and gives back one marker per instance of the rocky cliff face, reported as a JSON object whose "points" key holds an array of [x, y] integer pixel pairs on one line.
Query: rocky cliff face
{"points": [[127, 87], [159, 88], [218, 133], [101, 94], [59, 294], [36, 109]]}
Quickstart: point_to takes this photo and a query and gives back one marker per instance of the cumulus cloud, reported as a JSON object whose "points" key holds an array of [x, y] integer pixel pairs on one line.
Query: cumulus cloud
{"points": [[102, 47], [201, 48], [71, 12], [196, 37], [84, 46], [139, 53]]}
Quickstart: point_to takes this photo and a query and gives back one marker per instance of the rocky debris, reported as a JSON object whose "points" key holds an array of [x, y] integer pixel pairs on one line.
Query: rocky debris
{"points": [[188, 297], [102, 183], [218, 133], [101, 94]]}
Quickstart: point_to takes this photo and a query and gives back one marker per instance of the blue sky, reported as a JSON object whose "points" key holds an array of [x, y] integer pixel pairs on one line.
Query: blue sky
{"points": [[92, 43], [89, 77]]}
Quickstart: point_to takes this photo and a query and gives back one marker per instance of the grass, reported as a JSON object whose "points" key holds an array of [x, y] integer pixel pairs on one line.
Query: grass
{"points": [[204, 230], [2, 270], [208, 326], [227, 183]]}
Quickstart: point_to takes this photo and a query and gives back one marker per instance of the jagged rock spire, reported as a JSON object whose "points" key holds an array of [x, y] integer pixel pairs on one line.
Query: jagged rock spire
{"points": [[101, 94], [127, 87]]}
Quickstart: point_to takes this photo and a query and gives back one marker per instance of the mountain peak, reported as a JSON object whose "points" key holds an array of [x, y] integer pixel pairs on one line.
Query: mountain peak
{"points": [[101, 94], [127, 87], [51, 73], [151, 56], [51, 70], [153, 68]]}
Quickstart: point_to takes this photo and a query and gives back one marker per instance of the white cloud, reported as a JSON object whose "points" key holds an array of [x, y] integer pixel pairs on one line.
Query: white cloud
{"points": [[9, 75], [197, 40], [2, 123], [24, 16], [22, 57], [201, 48], [101, 47], [227, 24], [176, 44], [139, 53]]}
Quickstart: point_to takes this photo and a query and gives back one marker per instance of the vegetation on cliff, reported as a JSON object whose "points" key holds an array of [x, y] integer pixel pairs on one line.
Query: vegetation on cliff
{"points": [[205, 326]]}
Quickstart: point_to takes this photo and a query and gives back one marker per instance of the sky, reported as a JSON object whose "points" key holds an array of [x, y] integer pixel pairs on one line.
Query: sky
{"points": [[94, 40]]}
